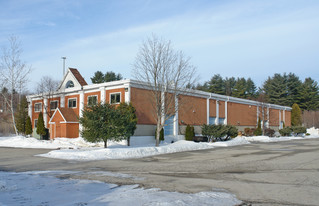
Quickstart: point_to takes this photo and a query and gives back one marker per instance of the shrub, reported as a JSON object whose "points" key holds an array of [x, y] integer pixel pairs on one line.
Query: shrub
{"points": [[219, 132], [285, 131], [299, 130], [269, 132], [161, 134], [258, 131], [231, 131], [189, 133], [249, 131]]}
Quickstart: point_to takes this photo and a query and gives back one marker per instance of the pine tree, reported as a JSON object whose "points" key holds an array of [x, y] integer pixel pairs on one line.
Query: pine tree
{"points": [[129, 120], [216, 84], [229, 85], [40, 126], [97, 78], [275, 89], [250, 88], [240, 88], [309, 97], [293, 89], [111, 76], [21, 116], [296, 115], [28, 126]]}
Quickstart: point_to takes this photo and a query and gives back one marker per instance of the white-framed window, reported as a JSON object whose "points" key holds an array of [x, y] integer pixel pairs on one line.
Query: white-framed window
{"points": [[69, 84], [92, 100], [212, 120], [115, 98], [54, 104], [35, 123], [72, 103], [37, 107], [221, 120]]}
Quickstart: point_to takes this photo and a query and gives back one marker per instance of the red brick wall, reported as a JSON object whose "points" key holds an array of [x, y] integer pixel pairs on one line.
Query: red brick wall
{"points": [[192, 110], [141, 99], [241, 114]]}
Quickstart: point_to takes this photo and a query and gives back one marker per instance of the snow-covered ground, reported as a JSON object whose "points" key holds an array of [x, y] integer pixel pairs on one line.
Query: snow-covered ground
{"points": [[79, 149], [43, 188]]}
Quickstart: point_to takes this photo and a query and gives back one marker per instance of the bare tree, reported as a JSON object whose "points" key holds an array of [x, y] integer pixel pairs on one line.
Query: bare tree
{"points": [[46, 88], [13, 73], [166, 73]]}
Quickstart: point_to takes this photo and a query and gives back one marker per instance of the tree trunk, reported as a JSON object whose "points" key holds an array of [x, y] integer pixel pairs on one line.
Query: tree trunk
{"points": [[105, 144], [158, 131], [128, 141], [12, 113]]}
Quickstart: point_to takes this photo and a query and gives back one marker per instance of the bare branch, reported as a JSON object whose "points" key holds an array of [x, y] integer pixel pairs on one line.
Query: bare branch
{"points": [[166, 72]]}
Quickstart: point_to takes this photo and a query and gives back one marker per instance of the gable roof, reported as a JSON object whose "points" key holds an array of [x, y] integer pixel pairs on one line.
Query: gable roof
{"points": [[78, 76], [73, 75], [67, 114]]}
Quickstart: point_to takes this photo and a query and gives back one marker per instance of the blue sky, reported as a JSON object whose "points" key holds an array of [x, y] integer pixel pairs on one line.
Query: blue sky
{"points": [[233, 38]]}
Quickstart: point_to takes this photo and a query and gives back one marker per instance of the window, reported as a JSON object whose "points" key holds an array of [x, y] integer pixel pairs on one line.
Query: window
{"points": [[53, 105], [221, 120], [92, 100], [212, 120], [35, 123], [69, 84], [72, 103], [37, 107], [115, 98]]}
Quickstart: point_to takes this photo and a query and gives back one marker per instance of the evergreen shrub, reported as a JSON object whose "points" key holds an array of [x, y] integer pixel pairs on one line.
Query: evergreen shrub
{"points": [[189, 133]]}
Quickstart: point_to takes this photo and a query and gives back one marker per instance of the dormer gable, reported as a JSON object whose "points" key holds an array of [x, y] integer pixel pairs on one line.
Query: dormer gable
{"points": [[71, 79]]}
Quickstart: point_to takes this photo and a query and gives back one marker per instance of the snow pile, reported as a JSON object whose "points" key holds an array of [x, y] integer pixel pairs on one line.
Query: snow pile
{"points": [[276, 139], [79, 149], [313, 131], [124, 153], [44, 189], [57, 143], [87, 154]]}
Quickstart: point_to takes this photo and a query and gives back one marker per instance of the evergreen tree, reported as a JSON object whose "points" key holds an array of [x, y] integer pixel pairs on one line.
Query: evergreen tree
{"points": [[309, 97], [189, 133], [21, 115], [240, 88], [40, 126], [111, 76], [296, 115], [275, 89], [129, 120], [293, 89], [216, 85], [229, 85], [28, 126], [97, 78], [258, 131], [250, 88], [103, 122]]}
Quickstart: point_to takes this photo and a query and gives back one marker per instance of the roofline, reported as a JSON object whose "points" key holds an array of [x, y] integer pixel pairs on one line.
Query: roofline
{"points": [[144, 85]]}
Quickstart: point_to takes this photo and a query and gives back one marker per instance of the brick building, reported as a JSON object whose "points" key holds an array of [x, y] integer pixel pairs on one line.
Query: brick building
{"points": [[62, 108]]}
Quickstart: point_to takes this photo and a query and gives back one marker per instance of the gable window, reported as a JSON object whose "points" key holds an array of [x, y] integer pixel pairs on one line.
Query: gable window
{"points": [[72, 103], [53, 105], [69, 84], [37, 107], [115, 98], [92, 100], [35, 123]]}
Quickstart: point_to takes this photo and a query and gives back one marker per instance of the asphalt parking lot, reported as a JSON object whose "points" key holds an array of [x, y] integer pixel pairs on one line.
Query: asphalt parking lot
{"points": [[281, 173]]}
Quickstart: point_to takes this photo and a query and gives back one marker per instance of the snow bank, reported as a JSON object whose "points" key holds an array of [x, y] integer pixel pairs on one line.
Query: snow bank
{"points": [[276, 139], [45, 189], [79, 149]]}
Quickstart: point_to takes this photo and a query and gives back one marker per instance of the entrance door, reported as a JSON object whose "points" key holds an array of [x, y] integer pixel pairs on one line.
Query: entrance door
{"points": [[169, 126]]}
